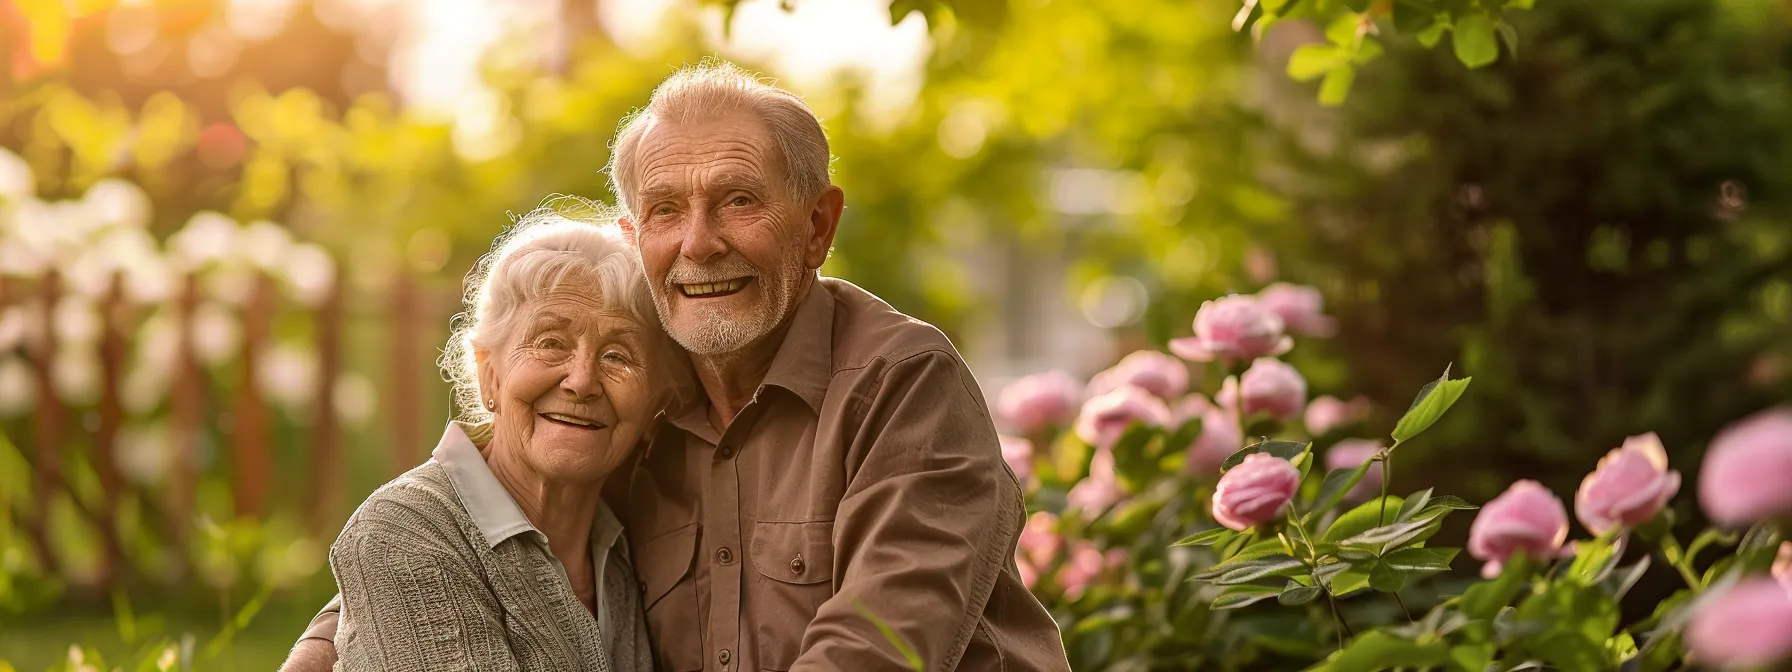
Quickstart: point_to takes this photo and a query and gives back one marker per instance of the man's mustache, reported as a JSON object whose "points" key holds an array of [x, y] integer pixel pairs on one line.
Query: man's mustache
{"points": [[698, 274]]}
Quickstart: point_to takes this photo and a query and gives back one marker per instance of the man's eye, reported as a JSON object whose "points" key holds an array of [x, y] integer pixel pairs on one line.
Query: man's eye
{"points": [[741, 201], [663, 210]]}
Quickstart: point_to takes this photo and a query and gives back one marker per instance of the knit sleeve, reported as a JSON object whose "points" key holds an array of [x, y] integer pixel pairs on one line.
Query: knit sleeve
{"points": [[410, 602]]}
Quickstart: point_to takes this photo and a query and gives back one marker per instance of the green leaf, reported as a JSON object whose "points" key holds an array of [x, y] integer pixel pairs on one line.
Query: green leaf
{"points": [[1294, 594], [1472, 657], [1184, 436], [1432, 35], [1377, 650], [1313, 60], [1216, 535], [1388, 537], [1332, 489], [1473, 40], [1286, 450], [1432, 401], [1234, 597], [1344, 30], [895, 639], [1356, 555], [1368, 51], [1362, 518], [1420, 559], [1594, 559], [1413, 503], [1619, 582], [1485, 598], [1336, 86], [1450, 502], [1509, 36], [1411, 16], [1385, 578], [1252, 570]]}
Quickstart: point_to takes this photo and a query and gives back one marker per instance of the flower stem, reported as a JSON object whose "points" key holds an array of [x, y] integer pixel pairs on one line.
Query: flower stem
{"points": [[1387, 476], [1313, 571], [1402, 604]]}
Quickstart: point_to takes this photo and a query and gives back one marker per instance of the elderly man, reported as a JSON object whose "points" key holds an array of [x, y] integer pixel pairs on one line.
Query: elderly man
{"points": [[843, 464]]}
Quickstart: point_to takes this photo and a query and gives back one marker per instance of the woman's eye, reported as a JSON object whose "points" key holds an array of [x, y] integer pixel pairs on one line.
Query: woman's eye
{"points": [[548, 343], [615, 357]]}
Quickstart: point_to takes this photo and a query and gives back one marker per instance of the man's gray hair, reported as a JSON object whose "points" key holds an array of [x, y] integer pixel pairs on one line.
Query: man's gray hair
{"points": [[715, 88], [566, 239]]}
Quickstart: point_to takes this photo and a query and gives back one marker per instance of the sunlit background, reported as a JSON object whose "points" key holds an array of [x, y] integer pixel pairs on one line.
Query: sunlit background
{"points": [[232, 234]]}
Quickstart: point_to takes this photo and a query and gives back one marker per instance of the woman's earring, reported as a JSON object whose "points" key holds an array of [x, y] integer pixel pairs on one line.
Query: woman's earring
{"points": [[491, 404]]}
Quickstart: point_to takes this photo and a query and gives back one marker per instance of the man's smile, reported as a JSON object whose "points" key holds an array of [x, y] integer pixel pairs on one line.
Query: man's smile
{"points": [[713, 289]]}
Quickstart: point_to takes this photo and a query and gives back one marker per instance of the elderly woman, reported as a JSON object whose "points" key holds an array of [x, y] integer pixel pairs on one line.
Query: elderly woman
{"points": [[498, 553]]}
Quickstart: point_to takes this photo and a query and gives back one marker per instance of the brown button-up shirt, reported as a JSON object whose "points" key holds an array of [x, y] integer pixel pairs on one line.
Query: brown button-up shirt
{"points": [[865, 473]]}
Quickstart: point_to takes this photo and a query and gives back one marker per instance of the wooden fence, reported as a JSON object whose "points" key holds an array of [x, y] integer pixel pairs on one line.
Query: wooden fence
{"points": [[411, 318]]}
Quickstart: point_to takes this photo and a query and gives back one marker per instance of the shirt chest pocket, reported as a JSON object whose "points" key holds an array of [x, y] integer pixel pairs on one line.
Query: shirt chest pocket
{"points": [[793, 575], [669, 590]]}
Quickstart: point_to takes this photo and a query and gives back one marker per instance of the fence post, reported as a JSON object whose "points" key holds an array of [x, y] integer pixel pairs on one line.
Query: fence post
{"points": [[251, 465], [105, 441], [326, 439], [406, 399], [47, 453], [186, 406]]}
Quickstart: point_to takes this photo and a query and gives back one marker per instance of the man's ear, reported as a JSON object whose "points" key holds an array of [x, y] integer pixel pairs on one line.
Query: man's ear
{"points": [[488, 376], [824, 222]]}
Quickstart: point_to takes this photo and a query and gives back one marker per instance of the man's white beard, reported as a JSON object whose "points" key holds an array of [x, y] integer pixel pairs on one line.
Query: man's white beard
{"points": [[705, 331]]}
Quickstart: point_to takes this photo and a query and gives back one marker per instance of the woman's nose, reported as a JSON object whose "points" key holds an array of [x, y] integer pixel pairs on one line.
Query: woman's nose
{"points": [[583, 379]]}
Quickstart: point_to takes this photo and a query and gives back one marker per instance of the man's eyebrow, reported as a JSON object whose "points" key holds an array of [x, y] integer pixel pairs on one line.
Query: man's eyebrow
{"points": [[738, 180], [657, 190]]}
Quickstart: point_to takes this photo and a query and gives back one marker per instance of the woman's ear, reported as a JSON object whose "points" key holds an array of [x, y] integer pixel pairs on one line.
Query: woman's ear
{"points": [[488, 378]]}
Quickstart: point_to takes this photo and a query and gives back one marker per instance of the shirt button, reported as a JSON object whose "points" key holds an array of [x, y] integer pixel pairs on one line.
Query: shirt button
{"points": [[796, 566], [724, 556], [725, 451], [723, 657]]}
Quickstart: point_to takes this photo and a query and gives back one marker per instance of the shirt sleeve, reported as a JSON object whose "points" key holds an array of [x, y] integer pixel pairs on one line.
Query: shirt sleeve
{"points": [[931, 514], [323, 625], [410, 606]]}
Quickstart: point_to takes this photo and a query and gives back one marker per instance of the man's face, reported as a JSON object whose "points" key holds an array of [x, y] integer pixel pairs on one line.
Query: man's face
{"points": [[726, 249]]}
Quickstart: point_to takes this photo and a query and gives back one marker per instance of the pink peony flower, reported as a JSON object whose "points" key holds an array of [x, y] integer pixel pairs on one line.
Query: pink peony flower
{"points": [[1149, 370], [1351, 453], [1100, 489], [1018, 453], [1273, 387], [1106, 417], [1254, 492], [1188, 408], [1039, 540], [1747, 626], [1630, 485], [1219, 439], [1082, 569], [1041, 400], [1233, 328], [1746, 467], [1301, 308], [1528, 517], [1327, 413]]}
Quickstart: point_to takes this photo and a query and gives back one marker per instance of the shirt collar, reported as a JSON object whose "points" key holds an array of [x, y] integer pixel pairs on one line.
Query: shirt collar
{"points": [[492, 508], [804, 363]]}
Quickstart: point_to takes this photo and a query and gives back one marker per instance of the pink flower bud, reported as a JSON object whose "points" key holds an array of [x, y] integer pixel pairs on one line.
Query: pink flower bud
{"points": [[1327, 413], [1100, 490], [1746, 467], [1018, 453], [1254, 492], [1219, 439], [1748, 626], [1149, 370], [1041, 400], [1106, 417], [1083, 568], [1300, 307], [1233, 328], [1630, 485], [1350, 454], [1039, 541], [1528, 517], [1273, 387]]}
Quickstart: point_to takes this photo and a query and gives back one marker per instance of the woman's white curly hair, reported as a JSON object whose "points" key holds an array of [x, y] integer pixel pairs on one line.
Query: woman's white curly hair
{"points": [[566, 238]]}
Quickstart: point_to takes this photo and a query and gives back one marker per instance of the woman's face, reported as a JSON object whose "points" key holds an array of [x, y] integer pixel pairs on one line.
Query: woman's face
{"points": [[570, 386]]}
